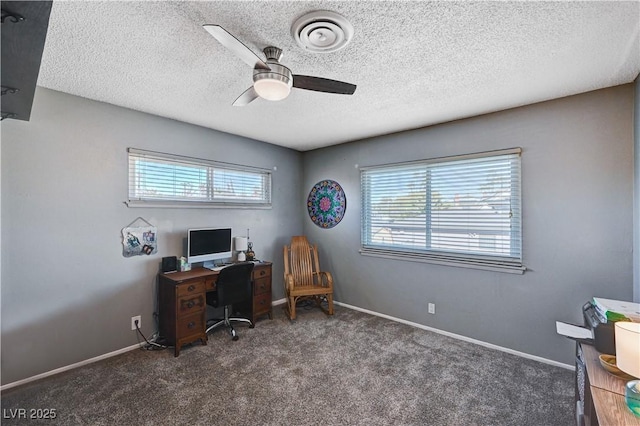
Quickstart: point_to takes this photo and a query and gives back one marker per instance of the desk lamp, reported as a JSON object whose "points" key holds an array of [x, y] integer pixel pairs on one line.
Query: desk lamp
{"points": [[240, 244], [628, 360]]}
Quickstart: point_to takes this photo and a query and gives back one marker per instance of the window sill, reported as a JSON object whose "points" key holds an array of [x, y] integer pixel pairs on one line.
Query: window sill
{"points": [[194, 205], [471, 263]]}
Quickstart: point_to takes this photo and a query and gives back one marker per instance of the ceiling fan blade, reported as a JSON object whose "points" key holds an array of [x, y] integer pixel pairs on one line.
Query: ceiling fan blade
{"points": [[247, 97], [323, 85], [236, 46]]}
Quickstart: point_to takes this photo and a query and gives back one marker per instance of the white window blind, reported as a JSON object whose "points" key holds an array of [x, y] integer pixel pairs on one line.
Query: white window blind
{"points": [[166, 180], [462, 210]]}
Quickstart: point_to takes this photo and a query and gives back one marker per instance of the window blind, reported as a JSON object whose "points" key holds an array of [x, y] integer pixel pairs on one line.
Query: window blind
{"points": [[463, 210], [159, 179]]}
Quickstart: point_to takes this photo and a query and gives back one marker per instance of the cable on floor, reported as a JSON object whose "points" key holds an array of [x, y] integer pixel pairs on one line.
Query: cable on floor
{"points": [[150, 345]]}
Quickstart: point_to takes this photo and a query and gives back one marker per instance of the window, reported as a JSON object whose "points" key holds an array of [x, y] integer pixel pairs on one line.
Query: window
{"points": [[462, 211], [166, 180]]}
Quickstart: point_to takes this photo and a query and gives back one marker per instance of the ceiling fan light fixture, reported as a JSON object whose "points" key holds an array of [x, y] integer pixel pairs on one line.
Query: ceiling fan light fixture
{"points": [[272, 89], [273, 84]]}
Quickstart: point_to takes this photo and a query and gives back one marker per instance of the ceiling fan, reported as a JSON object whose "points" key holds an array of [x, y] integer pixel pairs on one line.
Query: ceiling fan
{"points": [[272, 80]]}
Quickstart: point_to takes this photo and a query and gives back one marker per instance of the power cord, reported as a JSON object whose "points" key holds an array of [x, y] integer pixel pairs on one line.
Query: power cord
{"points": [[150, 345]]}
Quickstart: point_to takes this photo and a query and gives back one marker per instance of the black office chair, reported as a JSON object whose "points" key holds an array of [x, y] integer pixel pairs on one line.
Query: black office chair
{"points": [[233, 286]]}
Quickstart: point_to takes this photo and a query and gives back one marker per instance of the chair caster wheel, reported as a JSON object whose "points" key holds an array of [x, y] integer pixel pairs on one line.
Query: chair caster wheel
{"points": [[252, 326], [234, 338]]}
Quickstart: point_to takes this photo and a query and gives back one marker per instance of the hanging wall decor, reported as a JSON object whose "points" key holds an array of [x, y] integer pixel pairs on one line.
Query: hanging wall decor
{"points": [[138, 238], [326, 203]]}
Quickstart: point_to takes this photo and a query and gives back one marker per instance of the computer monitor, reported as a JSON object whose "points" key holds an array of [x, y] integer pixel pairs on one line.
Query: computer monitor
{"points": [[208, 244]]}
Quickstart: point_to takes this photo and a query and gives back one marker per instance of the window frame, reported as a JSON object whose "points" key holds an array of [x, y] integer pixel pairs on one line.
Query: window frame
{"points": [[208, 168], [511, 263]]}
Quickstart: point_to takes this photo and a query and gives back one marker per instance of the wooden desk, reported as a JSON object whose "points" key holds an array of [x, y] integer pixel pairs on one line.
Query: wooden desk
{"points": [[183, 303], [604, 394]]}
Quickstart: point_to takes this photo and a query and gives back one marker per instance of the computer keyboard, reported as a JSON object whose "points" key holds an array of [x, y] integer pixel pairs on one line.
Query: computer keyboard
{"points": [[220, 267], [217, 268]]}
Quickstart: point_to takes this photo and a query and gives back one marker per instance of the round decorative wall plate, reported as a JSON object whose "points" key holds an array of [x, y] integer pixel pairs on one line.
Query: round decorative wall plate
{"points": [[326, 203]]}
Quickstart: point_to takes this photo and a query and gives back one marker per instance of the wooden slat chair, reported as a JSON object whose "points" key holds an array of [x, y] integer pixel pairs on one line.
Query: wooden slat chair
{"points": [[303, 278]]}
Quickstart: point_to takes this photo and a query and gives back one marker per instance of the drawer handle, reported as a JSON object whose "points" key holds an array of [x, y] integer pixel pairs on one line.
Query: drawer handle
{"points": [[191, 325], [191, 287], [262, 302], [262, 272], [190, 304], [262, 286]]}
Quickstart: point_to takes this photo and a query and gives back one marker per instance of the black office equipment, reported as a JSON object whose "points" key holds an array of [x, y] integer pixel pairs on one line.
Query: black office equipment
{"points": [[603, 331], [169, 264], [233, 286]]}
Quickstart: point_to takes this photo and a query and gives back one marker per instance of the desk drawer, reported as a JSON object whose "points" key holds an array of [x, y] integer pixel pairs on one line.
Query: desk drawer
{"points": [[210, 284], [191, 304], [190, 287], [190, 325], [261, 272], [262, 286], [261, 303]]}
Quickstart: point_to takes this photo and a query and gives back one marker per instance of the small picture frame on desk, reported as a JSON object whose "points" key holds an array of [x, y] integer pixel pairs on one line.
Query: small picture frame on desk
{"points": [[184, 265]]}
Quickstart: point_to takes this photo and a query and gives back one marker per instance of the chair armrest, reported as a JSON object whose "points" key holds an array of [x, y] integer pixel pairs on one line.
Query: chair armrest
{"points": [[326, 280], [288, 282]]}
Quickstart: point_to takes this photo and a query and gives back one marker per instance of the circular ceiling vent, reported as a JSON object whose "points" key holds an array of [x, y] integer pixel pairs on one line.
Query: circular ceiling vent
{"points": [[322, 31]]}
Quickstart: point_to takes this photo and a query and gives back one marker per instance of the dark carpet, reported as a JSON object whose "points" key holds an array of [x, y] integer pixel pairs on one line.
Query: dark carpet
{"points": [[349, 369]]}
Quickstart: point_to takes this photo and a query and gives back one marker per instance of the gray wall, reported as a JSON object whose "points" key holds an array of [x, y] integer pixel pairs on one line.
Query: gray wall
{"points": [[636, 195], [68, 294], [577, 167]]}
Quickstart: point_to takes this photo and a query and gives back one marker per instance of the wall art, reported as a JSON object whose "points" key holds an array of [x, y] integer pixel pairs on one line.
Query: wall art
{"points": [[326, 203], [139, 238]]}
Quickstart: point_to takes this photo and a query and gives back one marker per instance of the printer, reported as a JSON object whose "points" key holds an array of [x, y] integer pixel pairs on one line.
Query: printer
{"points": [[600, 316], [604, 338]]}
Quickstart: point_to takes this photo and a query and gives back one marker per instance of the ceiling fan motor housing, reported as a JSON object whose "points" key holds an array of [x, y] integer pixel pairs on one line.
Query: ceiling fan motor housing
{"points": [[277, 72]]}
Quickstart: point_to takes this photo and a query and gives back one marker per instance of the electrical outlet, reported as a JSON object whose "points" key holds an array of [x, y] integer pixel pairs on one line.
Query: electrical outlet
{"points": [[133, 322], [432, 308]]}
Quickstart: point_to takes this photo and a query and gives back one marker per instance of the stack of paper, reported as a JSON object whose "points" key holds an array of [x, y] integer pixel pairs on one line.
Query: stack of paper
{"points": [[573, 331], [616, 310]]}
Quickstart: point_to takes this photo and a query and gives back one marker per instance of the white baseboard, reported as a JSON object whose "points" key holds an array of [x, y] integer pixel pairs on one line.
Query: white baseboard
{"points": [[464, 338], [280, 302], [68, 367], [446, 333], [89, 361]]}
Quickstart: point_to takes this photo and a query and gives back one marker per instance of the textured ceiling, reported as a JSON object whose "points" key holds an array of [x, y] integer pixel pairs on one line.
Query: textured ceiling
{"points": [[415, 63]]}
